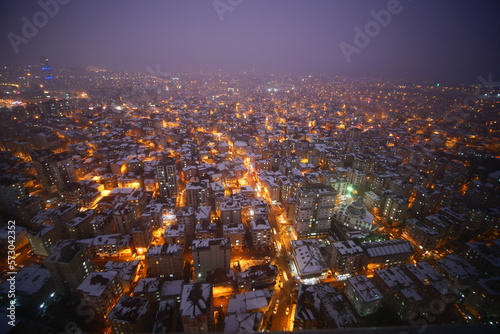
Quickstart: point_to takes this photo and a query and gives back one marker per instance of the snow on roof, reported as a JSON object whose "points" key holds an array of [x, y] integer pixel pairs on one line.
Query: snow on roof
{"points": [[259, 271], [174, 231], [230, 205], [164, 250], [491, 285], [248, 301], [387, 247], [309, 260], [206, 243], [29, 280], [96, 283], [242, 323], [457, 267], [216, 186], [326, 302], [128, 309], [485, 252], [196, 299], [348, 247], [123, 191], [66, 253], [203, 212], [185, 211], [4, 231], [171, 288], [365, 288], [126, 270], [147, 285], [261, 224]]}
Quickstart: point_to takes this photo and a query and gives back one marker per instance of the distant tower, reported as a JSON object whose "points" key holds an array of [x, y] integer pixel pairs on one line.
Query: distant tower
{"points": [[46, 70], [167, 178]]}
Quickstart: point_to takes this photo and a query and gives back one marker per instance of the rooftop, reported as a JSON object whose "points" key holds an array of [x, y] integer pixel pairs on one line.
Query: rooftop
{"points": [[128, 309]]}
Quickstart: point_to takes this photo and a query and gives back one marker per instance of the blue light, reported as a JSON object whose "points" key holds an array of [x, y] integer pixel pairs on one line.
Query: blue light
{"points": [[49, 77]]}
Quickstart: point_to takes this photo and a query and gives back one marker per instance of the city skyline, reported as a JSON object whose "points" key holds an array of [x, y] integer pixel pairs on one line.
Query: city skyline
{"points": [[447, 42]]}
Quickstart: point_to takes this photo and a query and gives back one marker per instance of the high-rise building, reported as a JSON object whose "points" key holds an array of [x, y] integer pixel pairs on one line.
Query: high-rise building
{"points": [[197, 194], [210, 254], [41, 238], [54, 170], [314, 210], [11, 190], [363, 294], [28, 207], [166, 174], [70, 265], [346, 258], [101, 290], [261, 233], [230, 212], [130, 315], [322, 306], [165, 261], [197, 308], [46, 70], [186, 216]]}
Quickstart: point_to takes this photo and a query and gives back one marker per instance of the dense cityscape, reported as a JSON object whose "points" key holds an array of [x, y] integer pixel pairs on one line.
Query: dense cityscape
{"points": [[241, 202], [233, 166]]}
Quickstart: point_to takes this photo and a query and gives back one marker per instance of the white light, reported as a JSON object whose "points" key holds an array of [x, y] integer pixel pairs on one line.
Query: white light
{"points": [[43, 304]]}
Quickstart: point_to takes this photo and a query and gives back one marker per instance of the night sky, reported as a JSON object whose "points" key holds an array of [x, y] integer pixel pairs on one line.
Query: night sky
{"points": [[442, 41]]}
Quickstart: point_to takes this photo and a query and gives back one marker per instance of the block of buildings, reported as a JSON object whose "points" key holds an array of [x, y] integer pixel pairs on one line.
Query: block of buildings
{"points": [[148, 288], [236, 233], [387, 253], [314, 210], [345, 259], [322, 306], [197, 308], [175, 234], [261, 233], [210, 254], [363, 295], [70, 265], [258, 277], [165, 261], [485, 258], [101, 290], [230, 212], [130, 315], [399, 290]]}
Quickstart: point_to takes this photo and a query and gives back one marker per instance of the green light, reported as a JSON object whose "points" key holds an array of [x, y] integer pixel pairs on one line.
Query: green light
{"points": [[349, 188], [437, 85]]}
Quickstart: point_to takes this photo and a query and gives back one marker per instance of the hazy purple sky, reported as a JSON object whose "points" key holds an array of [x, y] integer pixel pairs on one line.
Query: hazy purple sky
{"points": [[443, 41]]}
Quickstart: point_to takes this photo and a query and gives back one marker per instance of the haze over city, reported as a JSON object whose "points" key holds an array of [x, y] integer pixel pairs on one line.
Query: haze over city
{"points": [[240, 166], [443, 41]]}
